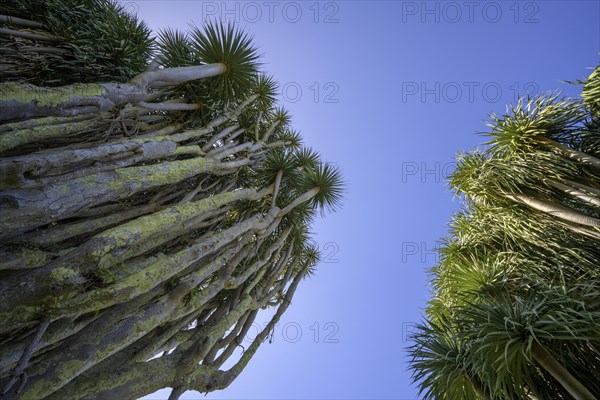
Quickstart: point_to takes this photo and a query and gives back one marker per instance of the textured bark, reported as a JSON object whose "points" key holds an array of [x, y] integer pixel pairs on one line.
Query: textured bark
{"points": [[26, 356], [133, 381], [63, 164], [226, 340], [35, 294], [21, 100], [237, 369], [173, 336], [27, 209], [56, 332], [206, 338], [130, 226], [87, 227], [12, 139], [97, 341], [23, 257], [236, 341]]}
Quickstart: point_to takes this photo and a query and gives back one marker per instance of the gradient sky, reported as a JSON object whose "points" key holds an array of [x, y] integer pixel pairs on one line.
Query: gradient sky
{"points": [[390, 91]]}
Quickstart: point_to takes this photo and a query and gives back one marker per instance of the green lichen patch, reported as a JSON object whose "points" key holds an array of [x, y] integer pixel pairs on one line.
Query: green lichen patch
{"points": [[146, 176], [48, 97], [13, 139], [62, 274]]}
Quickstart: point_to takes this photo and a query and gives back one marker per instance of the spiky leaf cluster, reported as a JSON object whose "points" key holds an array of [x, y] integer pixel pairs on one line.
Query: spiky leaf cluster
{"points": [[87, 41], [514, 310]]}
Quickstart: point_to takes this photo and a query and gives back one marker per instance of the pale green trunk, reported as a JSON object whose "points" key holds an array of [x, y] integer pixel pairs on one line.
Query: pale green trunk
{"points": [[560, 373], [556, 210]]}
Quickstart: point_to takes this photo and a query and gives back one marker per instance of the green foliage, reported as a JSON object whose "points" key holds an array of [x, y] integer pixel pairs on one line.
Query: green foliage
{"points": [[266, 88], [327, 178], [94, 41], [591, 93], [275, 161], [511, 274], [216, 43], [174, 48], [546, 116]]}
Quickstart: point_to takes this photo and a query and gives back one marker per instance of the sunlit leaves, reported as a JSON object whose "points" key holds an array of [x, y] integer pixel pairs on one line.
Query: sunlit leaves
{"points": [[545, 116], [591, 92], [511, 275]]}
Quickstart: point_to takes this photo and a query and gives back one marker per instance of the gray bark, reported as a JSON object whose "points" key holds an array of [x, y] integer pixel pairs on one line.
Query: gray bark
{"points": [[22, 101]]}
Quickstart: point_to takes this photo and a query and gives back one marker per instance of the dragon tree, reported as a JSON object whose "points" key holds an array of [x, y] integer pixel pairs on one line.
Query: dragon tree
{"points": [[515, 311], [153, 199]]}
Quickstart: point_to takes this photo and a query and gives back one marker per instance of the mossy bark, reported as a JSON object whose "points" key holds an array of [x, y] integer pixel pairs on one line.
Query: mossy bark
{"points": [[22, 100], [36, 294], [27, 209], [133, 231]]}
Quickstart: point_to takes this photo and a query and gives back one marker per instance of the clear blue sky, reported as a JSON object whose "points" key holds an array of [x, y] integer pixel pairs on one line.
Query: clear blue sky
{"points": [[390, 91]]}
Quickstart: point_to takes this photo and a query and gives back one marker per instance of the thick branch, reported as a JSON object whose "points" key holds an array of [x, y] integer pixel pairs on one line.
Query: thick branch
{"points": [[27, 354], [21, 22], [560, 373], [174, 76], [28, 35], [556, 210], [573, 154]]}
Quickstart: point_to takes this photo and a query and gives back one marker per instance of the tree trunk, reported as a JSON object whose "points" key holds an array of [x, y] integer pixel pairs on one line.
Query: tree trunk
{"points": [[573, 154], [556, 210], [560, 373], [573, 191]]}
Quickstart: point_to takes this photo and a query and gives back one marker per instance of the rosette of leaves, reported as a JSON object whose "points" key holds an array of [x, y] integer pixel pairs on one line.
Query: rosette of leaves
{"points": [[60, 42]]}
